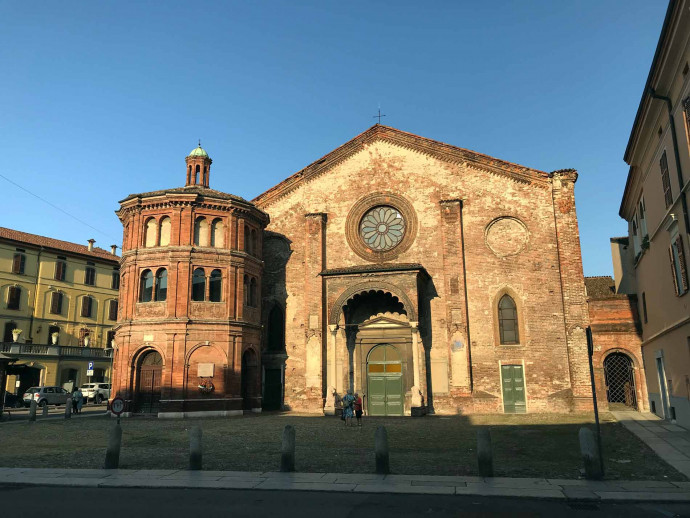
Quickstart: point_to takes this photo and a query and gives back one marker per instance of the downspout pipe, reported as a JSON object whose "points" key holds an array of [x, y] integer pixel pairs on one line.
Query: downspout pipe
{"points": [[676, 154], [38, 283]]}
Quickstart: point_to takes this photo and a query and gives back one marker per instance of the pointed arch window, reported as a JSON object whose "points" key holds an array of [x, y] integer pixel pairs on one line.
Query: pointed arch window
{"points": [[161, 284], [215, 286], [146, 286], [199, 285], [508, 321]]}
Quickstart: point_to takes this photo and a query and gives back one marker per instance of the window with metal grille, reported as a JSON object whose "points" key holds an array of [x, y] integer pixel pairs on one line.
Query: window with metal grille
{"points": [[665, 180], [508, 321], [86, 306], [60, 269], [90, 276], [18, 264], [620, 380], [56, 303], [112, 310], [14, 297], [83, 333]]}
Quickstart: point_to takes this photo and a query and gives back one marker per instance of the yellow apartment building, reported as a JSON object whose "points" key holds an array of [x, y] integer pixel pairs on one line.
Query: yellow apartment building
{"points": [[59, 303]]}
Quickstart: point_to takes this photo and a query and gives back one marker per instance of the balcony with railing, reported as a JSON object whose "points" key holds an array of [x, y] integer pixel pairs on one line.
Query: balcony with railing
{"points": [[20, 351]]}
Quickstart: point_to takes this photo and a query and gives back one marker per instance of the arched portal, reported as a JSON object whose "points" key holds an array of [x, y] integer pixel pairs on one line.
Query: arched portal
{"points": [[620, 380], [273, 359], [148, 389], [250, 380], [384, 381]]}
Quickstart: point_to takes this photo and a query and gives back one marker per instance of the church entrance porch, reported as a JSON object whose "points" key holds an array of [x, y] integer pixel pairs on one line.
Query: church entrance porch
{"points": [[384, 382], [148, 392]]}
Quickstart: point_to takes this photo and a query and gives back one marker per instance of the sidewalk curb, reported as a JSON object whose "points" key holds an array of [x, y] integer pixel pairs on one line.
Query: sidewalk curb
{"points": [[541, 489]]}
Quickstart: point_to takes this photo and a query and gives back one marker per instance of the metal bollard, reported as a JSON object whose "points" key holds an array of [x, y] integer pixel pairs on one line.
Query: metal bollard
{"points": [[44, 413], [287, 455], [112, 454], [590, 454], [381, 451], [195, 455], [32, 411], [485, 456], [68, 409]]}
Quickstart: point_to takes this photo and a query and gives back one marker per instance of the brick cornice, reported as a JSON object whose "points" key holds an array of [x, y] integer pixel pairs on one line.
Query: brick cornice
{"points": [[429, 147]]}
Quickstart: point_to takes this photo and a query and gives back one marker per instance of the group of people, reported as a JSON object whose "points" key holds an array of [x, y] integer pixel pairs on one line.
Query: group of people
{"points": [[352, 407], [77, 400]]}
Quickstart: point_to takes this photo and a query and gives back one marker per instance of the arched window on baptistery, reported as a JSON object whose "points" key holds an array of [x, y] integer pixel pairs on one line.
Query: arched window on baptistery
{"points": [[164, 232], [247, 240], [146, 286], [201, 231], [199, 285], [217, 233], [246, 290], [161, 285], [150, 233], [508, 321], [215, 286], [253, 293]]}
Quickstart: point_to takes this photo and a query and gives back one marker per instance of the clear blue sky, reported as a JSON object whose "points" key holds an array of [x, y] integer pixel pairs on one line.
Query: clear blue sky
{"points": [[103, 99]]}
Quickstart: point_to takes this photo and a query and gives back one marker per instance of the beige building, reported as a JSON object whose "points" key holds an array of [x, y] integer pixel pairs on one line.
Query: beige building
{"points": [[63, 297], [655, 207]]}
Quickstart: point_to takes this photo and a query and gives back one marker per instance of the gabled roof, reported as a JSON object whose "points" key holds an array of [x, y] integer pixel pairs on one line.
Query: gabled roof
{"points": [[430, 147], [56, 244]]}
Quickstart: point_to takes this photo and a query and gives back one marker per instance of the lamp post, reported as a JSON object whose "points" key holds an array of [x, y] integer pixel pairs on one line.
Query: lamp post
{"points": [[590, 352]]}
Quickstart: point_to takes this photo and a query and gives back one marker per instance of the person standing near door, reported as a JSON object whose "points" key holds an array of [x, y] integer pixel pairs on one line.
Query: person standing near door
{"points": [[358, 409], [348, 407]]}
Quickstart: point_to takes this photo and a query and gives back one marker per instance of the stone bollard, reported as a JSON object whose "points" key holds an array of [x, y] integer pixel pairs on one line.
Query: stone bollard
{"points": [[381, 451], [44, 412], [195, 455], [68, 409], [590, 454], [112, 454], [32, 411], [485, 456], [287, 456]]}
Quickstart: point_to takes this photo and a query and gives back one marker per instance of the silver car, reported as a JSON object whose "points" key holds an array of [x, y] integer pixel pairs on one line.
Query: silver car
{"points": [[46, 396]]}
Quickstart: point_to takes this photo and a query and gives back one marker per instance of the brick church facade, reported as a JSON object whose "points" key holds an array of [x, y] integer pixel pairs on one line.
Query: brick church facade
{"points": [[424, 276]]}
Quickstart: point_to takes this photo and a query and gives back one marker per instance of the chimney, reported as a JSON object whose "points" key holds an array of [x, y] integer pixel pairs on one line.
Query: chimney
{"points": [[91, 242], [113, 249]]}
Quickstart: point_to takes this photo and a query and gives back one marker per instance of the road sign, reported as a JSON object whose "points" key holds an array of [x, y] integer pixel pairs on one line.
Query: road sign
{"points": [[117, 406], [89, 372], [90, 367]]}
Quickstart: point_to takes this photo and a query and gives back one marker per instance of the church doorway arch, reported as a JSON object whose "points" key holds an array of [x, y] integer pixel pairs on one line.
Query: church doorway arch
{"points": [[620, 381], [384, 381], [250, 380], [148, 391]]}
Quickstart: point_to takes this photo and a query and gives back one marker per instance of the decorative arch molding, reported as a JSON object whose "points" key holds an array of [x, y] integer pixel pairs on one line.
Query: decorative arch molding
{"points": [[636, 364], [522, 328], [137, 354], [194, 348], [364, 287]]}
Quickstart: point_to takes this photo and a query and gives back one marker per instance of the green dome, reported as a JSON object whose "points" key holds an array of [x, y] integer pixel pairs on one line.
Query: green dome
{"points": [[198, 151]]}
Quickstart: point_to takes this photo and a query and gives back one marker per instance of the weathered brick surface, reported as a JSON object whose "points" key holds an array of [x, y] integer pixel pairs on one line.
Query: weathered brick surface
{"points": [[455, 196], [185, 332]]}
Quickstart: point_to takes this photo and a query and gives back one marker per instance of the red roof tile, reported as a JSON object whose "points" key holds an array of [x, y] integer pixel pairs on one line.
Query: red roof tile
{"points": [[56, 244]]}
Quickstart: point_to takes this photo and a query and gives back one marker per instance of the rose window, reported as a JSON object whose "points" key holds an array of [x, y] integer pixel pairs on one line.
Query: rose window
{"points": [[382, 228]]}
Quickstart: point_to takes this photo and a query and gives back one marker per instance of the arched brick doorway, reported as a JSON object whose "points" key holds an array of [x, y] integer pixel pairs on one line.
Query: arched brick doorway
{"points": [[148, 391], [619, 377], [250, 380]]}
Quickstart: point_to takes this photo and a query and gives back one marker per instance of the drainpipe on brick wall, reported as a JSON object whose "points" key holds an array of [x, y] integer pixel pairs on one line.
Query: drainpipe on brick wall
{"points": [[38, 281], [676, 154]]}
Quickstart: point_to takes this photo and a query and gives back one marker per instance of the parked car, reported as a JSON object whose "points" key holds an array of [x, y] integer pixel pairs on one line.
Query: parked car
{"points": [[46, 396], [13, 401], [99, 392]]}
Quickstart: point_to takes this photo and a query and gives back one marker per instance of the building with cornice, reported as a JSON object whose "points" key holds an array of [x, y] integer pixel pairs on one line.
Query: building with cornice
{"points": [[425, 277]]}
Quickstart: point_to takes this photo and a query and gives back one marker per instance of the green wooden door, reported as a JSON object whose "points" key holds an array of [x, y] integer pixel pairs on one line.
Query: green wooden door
{"points": [[384, 382], [513, 389]]}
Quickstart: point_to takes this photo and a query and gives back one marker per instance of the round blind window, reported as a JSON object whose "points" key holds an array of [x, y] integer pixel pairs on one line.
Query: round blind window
{"points": [[382, 228]]}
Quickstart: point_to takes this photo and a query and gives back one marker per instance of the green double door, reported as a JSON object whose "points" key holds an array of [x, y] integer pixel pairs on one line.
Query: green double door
{"points": [[513, 381], [384, 382]]}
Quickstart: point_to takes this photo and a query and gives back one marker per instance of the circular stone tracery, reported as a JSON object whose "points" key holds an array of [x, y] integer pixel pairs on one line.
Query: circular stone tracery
{"points": [[382, 228]]}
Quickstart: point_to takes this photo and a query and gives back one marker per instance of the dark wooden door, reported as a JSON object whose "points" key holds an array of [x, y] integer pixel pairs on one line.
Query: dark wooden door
{"points": [[149, 394]]}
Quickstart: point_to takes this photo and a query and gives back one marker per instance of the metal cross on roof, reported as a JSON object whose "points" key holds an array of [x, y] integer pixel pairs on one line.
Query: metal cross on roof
{"points": [[379, 116]]}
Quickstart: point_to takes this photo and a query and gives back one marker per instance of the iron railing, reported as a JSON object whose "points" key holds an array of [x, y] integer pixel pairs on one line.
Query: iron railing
{"points": [[21, 350]]}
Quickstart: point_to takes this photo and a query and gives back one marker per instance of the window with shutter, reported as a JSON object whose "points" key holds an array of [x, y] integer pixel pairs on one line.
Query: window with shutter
{"points": [[90, 276], [665, 181], [14, 297], [18, 264], [682, 267], [109, 339], [686, 110], [60, 269], [56, 303], [115, 282], [86, 303], [112, 310]]}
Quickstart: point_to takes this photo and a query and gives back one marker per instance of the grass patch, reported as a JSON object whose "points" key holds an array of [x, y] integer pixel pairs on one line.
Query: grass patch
{"points": [[528, 445]]}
